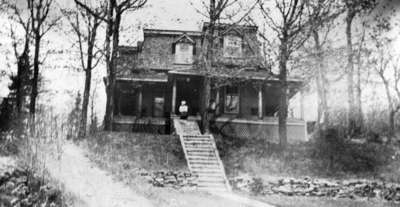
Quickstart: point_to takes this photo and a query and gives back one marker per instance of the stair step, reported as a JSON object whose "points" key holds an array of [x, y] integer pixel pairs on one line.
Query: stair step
{"points": [[208, 145], [203, 158], [202, 170], [201, 154], [207, 149], [198, 141], [199, 166], [197, 136], [204, 163], [201, 151]]}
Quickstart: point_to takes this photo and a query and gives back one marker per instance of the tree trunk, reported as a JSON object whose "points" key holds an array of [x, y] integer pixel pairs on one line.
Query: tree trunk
{"points": [[35, 80], [207, 53], [110, 69], [85, 102], [350, 74], [205, 122], [88, 78], [321, 86], [392, 115], [283, 100], [359, 112]]}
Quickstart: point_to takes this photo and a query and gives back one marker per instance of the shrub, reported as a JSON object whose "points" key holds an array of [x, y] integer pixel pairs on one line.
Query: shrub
{"points": [[257, 186], [343, 155]]}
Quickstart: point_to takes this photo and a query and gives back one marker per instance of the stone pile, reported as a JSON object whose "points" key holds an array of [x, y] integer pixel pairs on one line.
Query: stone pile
{"points": [[177, 180], [20, 188], [352, 189]]}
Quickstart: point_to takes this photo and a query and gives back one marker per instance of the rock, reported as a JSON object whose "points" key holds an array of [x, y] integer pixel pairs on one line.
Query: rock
{"points": [[284, 189]]}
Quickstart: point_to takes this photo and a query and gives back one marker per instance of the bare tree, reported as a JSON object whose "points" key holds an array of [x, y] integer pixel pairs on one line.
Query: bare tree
{"points": [[85, 26], [215, 9], [325, 12], [292, 28], [353, 8], [388, 70], [41, 24], [209, 65], [115, 10], [22, 56], [386, 65]]}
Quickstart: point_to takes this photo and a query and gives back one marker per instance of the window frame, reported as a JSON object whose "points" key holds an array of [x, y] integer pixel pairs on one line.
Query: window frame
{"points": [[225, 100], [226, 41], [179, 51]]}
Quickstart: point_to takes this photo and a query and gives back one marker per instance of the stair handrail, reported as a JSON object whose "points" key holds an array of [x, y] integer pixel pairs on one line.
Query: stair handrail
{"points": [[228, 186]]}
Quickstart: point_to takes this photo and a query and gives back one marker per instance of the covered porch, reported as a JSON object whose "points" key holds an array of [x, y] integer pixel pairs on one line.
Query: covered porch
{"points": [[246, 107]]}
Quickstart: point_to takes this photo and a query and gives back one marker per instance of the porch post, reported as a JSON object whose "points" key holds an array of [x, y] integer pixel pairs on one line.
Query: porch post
{"points": [[173, 105], [140, 102], [260, 102], [217, 97], [302, 104]]}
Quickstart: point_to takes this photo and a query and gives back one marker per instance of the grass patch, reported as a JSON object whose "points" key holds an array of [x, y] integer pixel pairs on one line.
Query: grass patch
{"points": [[139, 150], [324, 159]]}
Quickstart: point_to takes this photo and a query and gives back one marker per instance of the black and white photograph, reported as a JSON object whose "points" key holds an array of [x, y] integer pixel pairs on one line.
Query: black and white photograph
{"points": [[199, 103]]}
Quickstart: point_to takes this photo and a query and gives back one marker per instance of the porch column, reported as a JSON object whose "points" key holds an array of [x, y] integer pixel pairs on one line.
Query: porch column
{"points": [[260, 102], [301, 104], [173, 105], [140, 102], [217, 97]]}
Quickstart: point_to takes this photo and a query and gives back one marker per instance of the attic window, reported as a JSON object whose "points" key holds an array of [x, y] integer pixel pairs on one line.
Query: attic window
{"points": [[232, 46], [183, 53]]}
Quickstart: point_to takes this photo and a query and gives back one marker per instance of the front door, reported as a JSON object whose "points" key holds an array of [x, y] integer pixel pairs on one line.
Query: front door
{"points": [[158, 106], [188, 89]]}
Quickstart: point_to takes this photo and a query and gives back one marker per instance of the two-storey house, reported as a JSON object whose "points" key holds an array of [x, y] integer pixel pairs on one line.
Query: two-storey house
{"points": [[162, 70]]}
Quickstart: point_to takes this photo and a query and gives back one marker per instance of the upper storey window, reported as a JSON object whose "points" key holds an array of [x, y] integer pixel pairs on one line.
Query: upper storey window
{"points": [[232, 46], [183, 53], [183, 48]]}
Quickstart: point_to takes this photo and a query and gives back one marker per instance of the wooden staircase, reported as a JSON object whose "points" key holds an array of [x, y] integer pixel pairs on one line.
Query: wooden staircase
{"points": [[202, 156]]}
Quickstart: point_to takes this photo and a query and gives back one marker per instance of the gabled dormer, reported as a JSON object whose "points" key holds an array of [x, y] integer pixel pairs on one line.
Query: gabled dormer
{"points": [[232, 43], [184, 48]]}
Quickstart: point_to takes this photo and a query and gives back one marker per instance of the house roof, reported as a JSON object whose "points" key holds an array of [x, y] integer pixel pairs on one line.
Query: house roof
{"points": [[228, 26]]}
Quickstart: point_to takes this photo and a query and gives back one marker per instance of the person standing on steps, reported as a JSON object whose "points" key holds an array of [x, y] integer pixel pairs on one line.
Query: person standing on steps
{"points": [[183, 110]]}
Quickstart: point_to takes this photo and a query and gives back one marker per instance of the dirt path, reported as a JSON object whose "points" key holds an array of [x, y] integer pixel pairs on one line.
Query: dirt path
{"points": [[93, 186]]}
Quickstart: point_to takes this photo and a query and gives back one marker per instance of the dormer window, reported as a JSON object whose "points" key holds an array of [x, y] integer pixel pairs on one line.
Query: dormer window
{"points": [[232, 46], [183, 53], [183, 49]]}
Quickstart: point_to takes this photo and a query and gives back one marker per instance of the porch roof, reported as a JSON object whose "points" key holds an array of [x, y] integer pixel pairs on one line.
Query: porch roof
{"points": [[241, 74], [148, 77]]}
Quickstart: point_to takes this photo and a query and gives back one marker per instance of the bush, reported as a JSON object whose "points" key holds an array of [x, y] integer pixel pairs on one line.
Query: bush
{"points": [[257, 186], [343, 155]]}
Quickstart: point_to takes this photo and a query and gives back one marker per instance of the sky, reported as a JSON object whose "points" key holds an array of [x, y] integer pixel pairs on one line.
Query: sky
{"points": [[63, 81]]}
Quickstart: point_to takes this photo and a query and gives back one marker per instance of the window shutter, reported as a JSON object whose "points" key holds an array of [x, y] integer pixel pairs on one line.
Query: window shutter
{"points": [[221, 41], [173, 48], [194, 49]]}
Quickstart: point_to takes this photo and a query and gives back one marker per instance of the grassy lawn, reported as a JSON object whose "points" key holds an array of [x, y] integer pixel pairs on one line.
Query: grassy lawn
{"points": [[122, 154]]}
